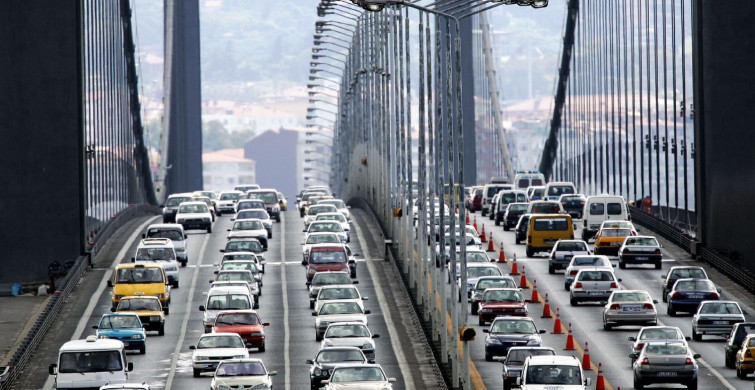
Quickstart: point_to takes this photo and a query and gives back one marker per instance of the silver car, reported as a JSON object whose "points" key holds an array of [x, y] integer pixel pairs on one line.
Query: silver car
{"points": [[647, 334], [593, 284], [716, 318], [629, 307], [661, 362]]}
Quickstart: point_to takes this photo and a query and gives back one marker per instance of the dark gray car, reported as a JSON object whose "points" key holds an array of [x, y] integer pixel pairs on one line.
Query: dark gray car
{"points": [[661, 362]]}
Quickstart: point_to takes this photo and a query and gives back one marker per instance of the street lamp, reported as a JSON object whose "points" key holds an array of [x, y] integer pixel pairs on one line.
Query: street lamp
{"points": [[317, 50], [315, 71], [318, 63], [310, 169], [313, 109], [318, 42]]}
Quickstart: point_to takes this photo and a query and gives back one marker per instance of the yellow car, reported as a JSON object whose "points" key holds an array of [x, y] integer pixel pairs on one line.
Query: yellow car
{"points": [[282, 201], [745, 360], [148, 308], [140, 279], [609, 240]]}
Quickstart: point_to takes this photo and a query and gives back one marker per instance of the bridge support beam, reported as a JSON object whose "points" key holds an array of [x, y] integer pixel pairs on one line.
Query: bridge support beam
{"points": [[724, 53]]}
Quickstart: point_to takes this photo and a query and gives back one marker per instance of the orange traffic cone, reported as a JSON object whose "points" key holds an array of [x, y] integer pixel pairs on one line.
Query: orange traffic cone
{"points": [[586, 358], [467, 220], [514, 268], [490, 245], [475, 223], [600, 383], [523, 279], [546, 308], [482, 235], [557, 328], [569, 341], [502, 255], [535, 297]]}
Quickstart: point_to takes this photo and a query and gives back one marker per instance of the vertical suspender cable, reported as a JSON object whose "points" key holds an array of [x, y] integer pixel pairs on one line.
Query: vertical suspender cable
{"points": [[656, 137], [684, 111], [664, 145], [673, 106]]}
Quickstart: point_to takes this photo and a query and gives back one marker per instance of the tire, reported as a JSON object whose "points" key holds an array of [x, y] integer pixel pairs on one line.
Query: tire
{"points": [[175, 284], [278, 218], [497, 222], [692, 385], [638, 385], [566, 286], [209, 229], [166, 310], [552, 271], [183, 263], [143, 350], [696, 336], [318, 338], [670, 311], [269, 234], [741, 374], [573, 301], [488, 358], [607, 326], [506, 227], [728, 361], [480, 321], [530, 252], [584, 236], [219, 213], [161, 330], [506, 385], [664, 297], [262, 348], [658, 265], [622, 265], [517, 241], [483, 213], [474, 309], [311, 305], [197, 373]]}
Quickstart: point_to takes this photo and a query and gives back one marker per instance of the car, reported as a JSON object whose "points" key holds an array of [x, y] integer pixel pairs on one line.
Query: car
{"points": [[328, 358], [640, 250], [544, 207], [140, 278], [251, 256], [126, 327], [316, 209], [226, 202], [330, 257], [573, 204], [506, 332], [340, 206], [270, 197], [545, 230], [501, 302], [194, 215], [686, 295], [562, 253], [246, 187], [175, 233], [335, 216], [512, 214], [245, 274], [359, 376], [249, 204], [555, 189], [147, 308], [514, 361], [521, 228], [680, 272], [547, 372], [171, 206], [282, 201], [350, 334], [629, 307], [224, 298], [484, 283], [89, 364], [126, 386], [304, 200], [313, 200], [326, 278], [339, 292], [593, 284], [249, 228], [744, 361], [504, 199], [207, 201], [238, 265], [337, 311], [488, 192], [317, 238], [618, 224], [584, 261], [260, 214], [525, 179], [159, 251], [245, 323], [646, 334], [443, 256], [476, 271], [734, 341], [535, 192], [327, 226], [473, 256], [475, 203], [245, 245], [608, 240], [242, 374], [716, 318], [661, 362], [493, 206], [601, 208], [212, 348]]}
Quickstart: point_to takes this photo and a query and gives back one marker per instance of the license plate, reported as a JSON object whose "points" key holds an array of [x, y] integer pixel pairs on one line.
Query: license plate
{"points": [[642, 258], [209, 366], [548, 242], [666, 373], [720, 322], [595, 293], [695, 296], [615, 244], [631, 308]]}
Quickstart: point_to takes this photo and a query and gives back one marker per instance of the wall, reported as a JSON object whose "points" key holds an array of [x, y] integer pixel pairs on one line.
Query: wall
{"points": [[275, 155]]}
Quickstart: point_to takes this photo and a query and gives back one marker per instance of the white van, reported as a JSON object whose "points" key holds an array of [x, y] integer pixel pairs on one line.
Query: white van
{"points": [[600, 208], [524, 179], [555, 189], [552, 372], [90, 363], [488, 192]]}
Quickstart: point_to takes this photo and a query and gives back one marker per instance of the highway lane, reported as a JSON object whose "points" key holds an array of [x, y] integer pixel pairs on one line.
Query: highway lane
{"points": [[610, 348]]}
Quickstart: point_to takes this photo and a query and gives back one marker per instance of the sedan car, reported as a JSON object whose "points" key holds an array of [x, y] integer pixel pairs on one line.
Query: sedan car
{"points": [[329, 358], [573, 204], [507, 332], [520, 231], [744, 362], [212, 348], [249, 228], [486, 282], [125, 327], [260, 214], [640, 250], [245, 245], [317, 209], [680, 272], [686, 295], [339, 292], [584, 261], [514, 361], [476, 271], [359, 376], [563, 251], [317, 238], [148, 308], [608, 241], [593, 284], [226, 202], [512, 214], [661, 362], [342, 207], [716, 318], [501, 302], [666, 334], [734, 341], [337, 311], [350, 334], [629, 307], [242, 374], [194, 215], [338, 217], [327, 226], [245, 323], [326, 278]]}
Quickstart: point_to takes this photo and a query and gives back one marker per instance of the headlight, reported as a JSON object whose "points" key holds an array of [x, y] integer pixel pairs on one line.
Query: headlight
{"points": [[318, 372], [276, 208], [522, 310], [311, 271], [205, 219], [171, 269], [367, 346], [102, 336], [198, 357], [137, 337], [533, 342], [180, 249], [494, 341], [257, 334]]}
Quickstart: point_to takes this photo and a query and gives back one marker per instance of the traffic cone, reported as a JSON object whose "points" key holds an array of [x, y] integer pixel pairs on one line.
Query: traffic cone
{"points": [[546, 308], [600, 383], [490, 245], [502, 255], [467, 220], [569, 341], [535, 297], [482, 235], [557, 328], [475, 223], [514, 268], [586, 358], [523, 279]]}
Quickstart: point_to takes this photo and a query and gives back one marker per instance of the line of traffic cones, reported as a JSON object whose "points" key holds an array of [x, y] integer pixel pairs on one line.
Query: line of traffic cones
{"points": [[535, 296], [570, 341], [523, 279], [546, 308], [502, 255]]}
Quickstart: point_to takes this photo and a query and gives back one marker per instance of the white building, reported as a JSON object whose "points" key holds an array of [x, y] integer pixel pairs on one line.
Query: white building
{"points": [[226, 168]]}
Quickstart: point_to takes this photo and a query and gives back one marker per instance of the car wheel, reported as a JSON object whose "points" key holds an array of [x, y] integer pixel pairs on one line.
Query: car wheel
{"points": [[518, 241], [506, 227], [143, 350], [566, 286], [552, 270], [197, 373], [584, 236], [488, 358], [183, 263], [161, 330], [506, 385], [573, 301], [318, 338], [696, 336], [166, 310], [209, 229], [474, 309], [606, 325], [311, 305], [480, 321], [741, 374], [530, 252], [175, 284], [663, 296], [219, 213], [692, 385], [269, 234], [278, 218], [262, 348], [670, 310], [622, 265], [638, 385], [497, 222], [728, 362], [658, 265]]}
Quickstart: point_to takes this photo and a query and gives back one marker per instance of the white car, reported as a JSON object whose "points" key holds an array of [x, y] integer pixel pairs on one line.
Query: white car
{"points": [[584, 261], [225, 298], [160, 251], [563, 251], [476, 271], [359, 376], [350, 334], [316, 209], [244, 256], [331, 312], [593, 284], [212, 348], [341, 293], [616, 224], [336, 216], [175, 233], [646, 334], [126, 386], [253, 227], [640, 250], [342, 208], [629, 307], [317, 238], [326, 226], [194, 215], [226, 202], [260, 214], [242, 374]]}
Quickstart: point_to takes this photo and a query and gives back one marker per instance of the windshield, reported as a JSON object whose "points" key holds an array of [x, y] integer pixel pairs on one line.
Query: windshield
{"points": [[330, 278], [173, 202], [340, 308], [339, 204], [513, 327], [192, 208], [553, 375], [560, 190], [485, 284], [357, 374], [595, 276], [517, 207], [228, 302], [242, 246], [325, 227], [661, 334], [330, 356], [694, 285], [644, 241], [331, 217], [120, 322], [688, 273], [665, 349], [248, 225], [323, 239], [631, 297], [322, 208], [139, 275], [172, 234], [338, 293], [90, 361], [245, 256], [551, 224], [720, 308], [139, 304], [229, 276], [240, 369], [545, 208], [571, 246], [155, 254], [237, 319], [615, 232], [477, 257], [336, 331], [220, 342], [267, 197], [502, 296], [589, 260], [239, 266], [249, 205], [476, 272], [253, 214], [229, 196], [322, 257], [518, 355]]}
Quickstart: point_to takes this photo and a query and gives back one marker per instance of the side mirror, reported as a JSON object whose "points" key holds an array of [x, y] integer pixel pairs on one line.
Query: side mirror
{"points": [[305, 230], [541, 331], [356, 254], [375, 336], [367, 312], [52, 369], [744, 312], [133, 260], [310, 361], [618, 280], [222, 250], [265, 324], [354, 282], [216, 272], [391, 380], [486, 331], [248, 345], [233, 219], [110, 283], [371, 361], [634, 355], [308, 284], [228, 230], [696, 356], [688, 338], [192, 347], [201, 308], [655, 301], [588, 381], [663, 276], [352, 262], [632, 338], [574, 227], [613, 265], [364, 298], [95, 327], [186, 236], [603, 302], [144, 235], [314, 314], [130, 367]]}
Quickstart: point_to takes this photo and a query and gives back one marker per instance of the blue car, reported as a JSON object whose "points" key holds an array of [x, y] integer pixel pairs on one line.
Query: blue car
{"points": [[687, 294], [507, 331], [125, 327]]}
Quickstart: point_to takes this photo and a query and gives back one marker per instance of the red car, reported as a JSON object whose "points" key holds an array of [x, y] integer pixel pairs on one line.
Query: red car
{"points": [[476, 203], [501, 302], [246, 323], [328, 257]]}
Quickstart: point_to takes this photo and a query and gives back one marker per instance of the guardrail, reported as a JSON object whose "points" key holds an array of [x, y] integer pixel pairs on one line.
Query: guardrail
{"points": [[24, 352]]}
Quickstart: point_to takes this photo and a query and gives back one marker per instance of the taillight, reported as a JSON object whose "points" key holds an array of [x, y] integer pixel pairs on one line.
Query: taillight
{"points": [[581, 203], [714, 295], [529, 239], [573, 272], [639, 346], [748, 354], [584, 221], [657, 252], [645, 362], [676, 294], [615, 306], [614, 285], [553, 256], [578, 285], [647, 306], [689, 361]]}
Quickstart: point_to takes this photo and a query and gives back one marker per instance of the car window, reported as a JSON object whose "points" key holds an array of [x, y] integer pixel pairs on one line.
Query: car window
{"points": [[694, 285], [519, 355], [553, 375], [560, 190], [631, 297], [720, 308], [338, 293], [476, 272], [192, 208], [597, 209], [614, 209], [228, 302], [340, 308], [220, 342], [571, 246], [551, 224], [120, 322], [139, 304], [688, 273], [513, 326], [642, 241], [330, 356], [139, 275], [241, 369], [502, 296], [595, 276], [172, 234], [347, 331], [237, 319], [492, 283], [357, 374]]}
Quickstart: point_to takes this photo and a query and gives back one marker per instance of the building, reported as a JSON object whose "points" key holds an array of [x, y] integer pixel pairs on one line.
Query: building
{"points": [[277, 159], [226, 168]]}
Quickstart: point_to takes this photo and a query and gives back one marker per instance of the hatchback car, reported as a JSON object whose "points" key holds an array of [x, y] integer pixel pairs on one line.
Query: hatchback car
{"points": [[125, 327], [507, 332], [563, 251], [329, 358], [716, 318], [640, 250], [242, 374], [687, 294], [680, 272], [660, 362], [501, 302], [584, 261], [245, 323], [212, 348], [629, 307], [593, 284]]}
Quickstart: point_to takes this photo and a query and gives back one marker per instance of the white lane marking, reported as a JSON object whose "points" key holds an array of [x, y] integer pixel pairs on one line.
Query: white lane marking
{"points": [[201, 266], [298, 262], [392, 331], [101, 288], [286, 335], [179, 344]]}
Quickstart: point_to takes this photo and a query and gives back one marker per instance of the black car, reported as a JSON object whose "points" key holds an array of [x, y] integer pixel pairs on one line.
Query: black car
{"points": [[512, 214], [573, 204], [330, 357], [734, 341], [521, 228]]}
